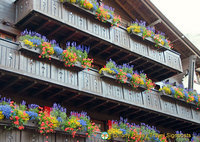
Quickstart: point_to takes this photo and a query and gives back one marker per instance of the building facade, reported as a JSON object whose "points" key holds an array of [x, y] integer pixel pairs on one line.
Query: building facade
{"points": [[25, 76]]}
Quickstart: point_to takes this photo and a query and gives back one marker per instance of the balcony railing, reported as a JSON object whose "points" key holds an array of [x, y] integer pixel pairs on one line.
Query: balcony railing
{"points": [[30, 135], [29, 12], [89, 82]]}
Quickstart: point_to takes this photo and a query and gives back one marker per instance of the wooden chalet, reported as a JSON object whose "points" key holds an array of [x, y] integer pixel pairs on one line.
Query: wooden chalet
{"points": [[24, 76]]}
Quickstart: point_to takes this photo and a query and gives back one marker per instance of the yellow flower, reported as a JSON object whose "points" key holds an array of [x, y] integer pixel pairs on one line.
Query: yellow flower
{"points": [[167, 90], [29, 43], [136, 29], [162, 42], [115, 132], [72, 1], [1, 115], [106, 70], [89, 6], [54, 121]]}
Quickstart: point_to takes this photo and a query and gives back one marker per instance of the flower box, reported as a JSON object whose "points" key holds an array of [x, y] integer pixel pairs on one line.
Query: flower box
{"points": [[163, 94], [105, 74], [86, 11], [119, 139], [5, 122], [36, 51], [150, 40], [31, 123]]}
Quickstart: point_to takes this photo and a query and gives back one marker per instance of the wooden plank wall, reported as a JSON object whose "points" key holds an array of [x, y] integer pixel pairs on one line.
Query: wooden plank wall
{"points": [[7, 10]]}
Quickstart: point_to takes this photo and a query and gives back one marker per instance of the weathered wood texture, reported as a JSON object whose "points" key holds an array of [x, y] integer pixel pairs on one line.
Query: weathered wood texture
{"points": [[89, 82], [29, 135], [7, 10], [87, 24]]}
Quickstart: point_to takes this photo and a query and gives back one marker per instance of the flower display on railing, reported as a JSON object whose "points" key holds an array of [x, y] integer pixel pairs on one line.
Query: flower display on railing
{"points": [[47, 122], [146, 31], [181, 93], [71, 55], [18, 116], [103, 12], [80, 122], [125, 74], [134, 133]]}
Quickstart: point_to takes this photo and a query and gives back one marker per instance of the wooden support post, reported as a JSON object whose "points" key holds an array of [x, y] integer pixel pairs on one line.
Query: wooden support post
{"points": [[192, 60]]}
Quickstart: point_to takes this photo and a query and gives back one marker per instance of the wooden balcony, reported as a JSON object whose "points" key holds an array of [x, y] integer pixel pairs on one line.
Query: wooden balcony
{"points": [[69, 22], [30, 135], [24, 75]]}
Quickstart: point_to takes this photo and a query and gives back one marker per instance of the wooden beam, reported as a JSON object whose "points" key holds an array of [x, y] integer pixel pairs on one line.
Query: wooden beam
{"points": [[97, 44], [169, 123], [164, 73], [86, 102], [110, 108], [156, 71], [125, 9], [12, 82], [150, 67], [84, 41], [156, 122], [71, 35], [155, 23], [100, 104], [71, 98], [57, 93], [114, 54], [141, 116], [105, 50], [27, 21], [150, 118], [41, 91], [121, 110], [43, 25], [140, 65], [138, 58], [132, 113], [55, 31], [125, 57], [26, 88], [136, 8], [179, 126]]}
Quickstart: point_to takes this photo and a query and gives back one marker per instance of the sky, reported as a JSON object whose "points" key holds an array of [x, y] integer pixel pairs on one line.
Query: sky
{"points": [[184, 14]]}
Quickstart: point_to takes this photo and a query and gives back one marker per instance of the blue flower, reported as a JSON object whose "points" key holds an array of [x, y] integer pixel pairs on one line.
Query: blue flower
{"points": [[83, 122], [58, 50], [196, 98], [59, 119], [32, 115], [129, 75], [6, 110], [172, 90], [115, 71], [123, 131]]}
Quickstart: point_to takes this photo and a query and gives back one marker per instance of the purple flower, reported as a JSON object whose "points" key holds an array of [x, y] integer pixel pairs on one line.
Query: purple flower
{"points": [[23, 103], [33, 106]]}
